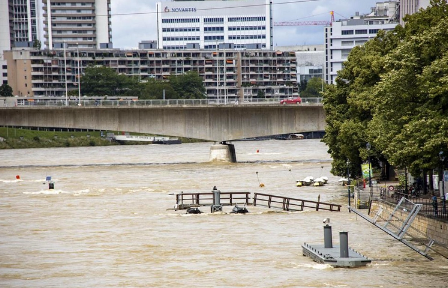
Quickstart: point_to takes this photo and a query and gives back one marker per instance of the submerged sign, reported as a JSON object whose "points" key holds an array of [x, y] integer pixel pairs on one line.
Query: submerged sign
{"points": [[179, 9]]}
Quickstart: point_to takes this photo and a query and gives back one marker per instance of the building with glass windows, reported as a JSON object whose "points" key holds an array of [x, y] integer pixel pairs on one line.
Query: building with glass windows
{"points": [[78, 23], [343, 35], [228, 75], [211, 25]]}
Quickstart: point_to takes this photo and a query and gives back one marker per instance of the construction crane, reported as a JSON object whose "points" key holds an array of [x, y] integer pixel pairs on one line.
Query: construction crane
{"points": [[306, 23]]}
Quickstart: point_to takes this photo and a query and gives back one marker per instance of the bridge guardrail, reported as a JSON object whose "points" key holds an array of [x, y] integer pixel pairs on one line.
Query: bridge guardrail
{"points": [[92, 102]]}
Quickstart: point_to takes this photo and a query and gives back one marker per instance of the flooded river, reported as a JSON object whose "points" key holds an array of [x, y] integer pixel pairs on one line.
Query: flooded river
{"points": [[110, 222]]}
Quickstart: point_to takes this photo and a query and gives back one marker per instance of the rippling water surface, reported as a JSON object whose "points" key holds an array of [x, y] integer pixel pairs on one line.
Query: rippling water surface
{"points": [[109, 221]]}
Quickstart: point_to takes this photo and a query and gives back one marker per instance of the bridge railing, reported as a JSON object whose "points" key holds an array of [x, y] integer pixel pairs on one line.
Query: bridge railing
{"points": [[90, 102]]}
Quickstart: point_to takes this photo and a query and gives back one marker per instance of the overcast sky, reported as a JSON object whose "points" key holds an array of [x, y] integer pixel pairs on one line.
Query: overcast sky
{"points": [[129, 29]]}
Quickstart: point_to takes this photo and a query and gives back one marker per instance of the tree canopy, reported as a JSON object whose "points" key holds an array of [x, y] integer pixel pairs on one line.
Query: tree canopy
{"points": [[313, 87], [393, 94], [5, 90], [102, 81]]}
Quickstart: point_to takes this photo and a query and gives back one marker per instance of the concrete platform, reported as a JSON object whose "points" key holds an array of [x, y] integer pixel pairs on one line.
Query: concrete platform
{"points": [[332, 257]]}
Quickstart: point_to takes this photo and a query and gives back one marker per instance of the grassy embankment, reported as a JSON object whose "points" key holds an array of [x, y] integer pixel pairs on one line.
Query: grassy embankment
{"points": [[25, 138]]}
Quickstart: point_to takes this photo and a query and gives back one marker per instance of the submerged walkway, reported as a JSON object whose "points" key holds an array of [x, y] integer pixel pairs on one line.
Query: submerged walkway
{"points": [[188, 200]]}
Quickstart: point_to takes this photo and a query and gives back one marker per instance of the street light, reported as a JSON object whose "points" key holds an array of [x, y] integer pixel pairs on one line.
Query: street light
{"points": [[79, 77], [348, 184], [442, 159], [65, 73], [368, 146]]}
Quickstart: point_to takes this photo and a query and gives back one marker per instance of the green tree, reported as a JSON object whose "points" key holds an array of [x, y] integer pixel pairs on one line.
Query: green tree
{"points": [[5, 90], [102, 81], [99, 81], [153, 89], [188, 86], [313, 88], [302, 85], [392, 93], [37, 44], [413, 93]]}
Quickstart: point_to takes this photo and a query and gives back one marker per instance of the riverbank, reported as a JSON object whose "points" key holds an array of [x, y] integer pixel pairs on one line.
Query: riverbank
{"points": [[19, 138]]}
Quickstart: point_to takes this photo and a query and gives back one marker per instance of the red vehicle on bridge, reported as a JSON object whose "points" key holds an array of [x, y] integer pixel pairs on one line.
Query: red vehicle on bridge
{"points": [[291, 100]]}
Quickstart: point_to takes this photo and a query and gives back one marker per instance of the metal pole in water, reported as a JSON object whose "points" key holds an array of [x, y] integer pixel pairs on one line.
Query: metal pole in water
{"points": [[343, 244], [328, 238], [216, 197]]}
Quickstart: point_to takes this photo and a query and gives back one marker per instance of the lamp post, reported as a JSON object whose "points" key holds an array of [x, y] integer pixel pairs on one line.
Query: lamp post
{"points": [[368, 146], [348, 184], [65, 75], [79, 77], [443, 194]]}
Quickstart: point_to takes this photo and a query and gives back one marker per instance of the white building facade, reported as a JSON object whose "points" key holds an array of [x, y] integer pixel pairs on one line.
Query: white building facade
{"points": [[19, 27], [344, 35], [409, 7], [78, 23], [215, 24]]}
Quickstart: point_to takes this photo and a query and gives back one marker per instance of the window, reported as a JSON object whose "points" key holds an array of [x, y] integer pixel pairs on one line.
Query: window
{"points": [[362, 31], [213, 29], [183, 20], [373, 31], [344, 53], [213, 38], [246, 19], [213, 20], [347, 32]]}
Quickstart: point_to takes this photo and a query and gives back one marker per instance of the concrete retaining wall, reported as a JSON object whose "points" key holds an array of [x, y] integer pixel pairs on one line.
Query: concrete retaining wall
{"points": [[432, 228]]}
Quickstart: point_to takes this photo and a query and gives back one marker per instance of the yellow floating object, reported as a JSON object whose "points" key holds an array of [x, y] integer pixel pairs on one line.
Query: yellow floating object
{"points": [[299, 184], [261, 185]]}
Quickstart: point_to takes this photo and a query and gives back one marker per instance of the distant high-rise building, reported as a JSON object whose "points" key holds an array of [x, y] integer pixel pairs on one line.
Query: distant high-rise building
{"points": [[19, 27], [78, 23], [343, 35], [409, 7], [215, 24]]}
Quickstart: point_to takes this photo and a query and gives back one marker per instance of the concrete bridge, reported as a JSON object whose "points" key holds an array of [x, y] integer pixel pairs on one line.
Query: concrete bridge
{"points": [[219, 123]]}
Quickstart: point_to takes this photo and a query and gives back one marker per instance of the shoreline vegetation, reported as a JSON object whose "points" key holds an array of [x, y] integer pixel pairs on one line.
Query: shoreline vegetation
{"points": [[22, 138]]}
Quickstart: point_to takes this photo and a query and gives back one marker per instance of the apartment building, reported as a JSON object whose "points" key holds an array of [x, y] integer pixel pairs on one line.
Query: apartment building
{"points": [[78, 23], [212, 24], [84, 24], [19, 27], [345, 34], [227, 74]]}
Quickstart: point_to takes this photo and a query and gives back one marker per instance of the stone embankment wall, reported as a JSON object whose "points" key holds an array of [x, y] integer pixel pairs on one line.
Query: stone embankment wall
{"points": [[432, 228]]}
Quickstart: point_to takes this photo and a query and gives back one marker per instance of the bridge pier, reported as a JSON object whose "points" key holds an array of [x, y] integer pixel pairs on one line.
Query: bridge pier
{"points": [[223, 152]]}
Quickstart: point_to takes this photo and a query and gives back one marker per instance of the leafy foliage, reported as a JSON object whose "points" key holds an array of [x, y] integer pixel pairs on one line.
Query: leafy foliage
{"points": [[102, 81], [313, 87], [393, 94], [188, 85], [5, 90]]}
